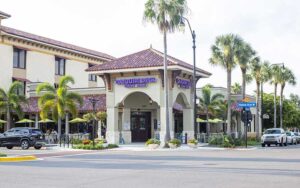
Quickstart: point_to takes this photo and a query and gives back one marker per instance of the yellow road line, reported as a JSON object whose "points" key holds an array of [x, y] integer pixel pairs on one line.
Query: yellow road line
{"points": [[17, 159]]}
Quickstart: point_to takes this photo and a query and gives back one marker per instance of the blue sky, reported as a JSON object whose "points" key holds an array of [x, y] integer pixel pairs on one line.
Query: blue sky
{"points": [[116, 27]]}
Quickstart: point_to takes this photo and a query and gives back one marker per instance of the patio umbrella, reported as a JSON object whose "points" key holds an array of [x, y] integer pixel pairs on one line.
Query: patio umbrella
{"points": [[25, 121], [199, 120], [46, 121], [2, 121], [78, 120]]}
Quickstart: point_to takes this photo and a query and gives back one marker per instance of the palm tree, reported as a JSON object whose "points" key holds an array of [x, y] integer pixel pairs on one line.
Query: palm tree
{"points": [[60, 102], [236, 88], [209, 103], [287, 76], [276, 74], [256, 73], [223, 54], [167, 15], [11, 102], [242, 58]]}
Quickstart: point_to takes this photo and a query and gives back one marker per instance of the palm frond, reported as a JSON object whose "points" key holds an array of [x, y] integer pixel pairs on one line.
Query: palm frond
{"points": [[47, 87]]}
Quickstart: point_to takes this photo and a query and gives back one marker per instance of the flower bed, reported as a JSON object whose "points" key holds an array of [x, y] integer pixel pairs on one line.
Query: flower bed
{"points": [[96, 147], [3, 155]]}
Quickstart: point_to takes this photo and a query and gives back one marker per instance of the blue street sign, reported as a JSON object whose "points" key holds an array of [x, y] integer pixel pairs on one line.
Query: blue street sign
{"points": [[246, 104]]}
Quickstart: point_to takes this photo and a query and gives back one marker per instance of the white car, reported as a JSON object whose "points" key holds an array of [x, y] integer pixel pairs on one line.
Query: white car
{"points": [[274, 136], [291, 138], [297, 135]]}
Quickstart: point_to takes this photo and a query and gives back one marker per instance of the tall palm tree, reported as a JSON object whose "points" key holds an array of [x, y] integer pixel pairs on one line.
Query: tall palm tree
{"points": [[287, 76], [223, 54], [242, 58], [167, 15], [11, 102], [256, 73], [59, 102], [266, 76], [236, 88], [276, 74], [209, 102]]}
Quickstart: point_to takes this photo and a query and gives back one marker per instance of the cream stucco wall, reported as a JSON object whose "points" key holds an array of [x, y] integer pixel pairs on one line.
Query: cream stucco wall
{"points": [[40, 67], [6, 62], [77, 70]]}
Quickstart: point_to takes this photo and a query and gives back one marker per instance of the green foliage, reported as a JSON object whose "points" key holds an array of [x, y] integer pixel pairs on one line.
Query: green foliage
{"points": [[110, 146], [216, 140], [58, 101], [100, 141], [193, 141], [3, 155], [96, 147], [175, 141], [76, 141], [152, 141]]}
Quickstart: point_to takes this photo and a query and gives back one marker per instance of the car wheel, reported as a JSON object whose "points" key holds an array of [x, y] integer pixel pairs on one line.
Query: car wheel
{"points": [[295, 142], [37, 147], [263, 145], [24, 144], [285, 144], [9, 147]]}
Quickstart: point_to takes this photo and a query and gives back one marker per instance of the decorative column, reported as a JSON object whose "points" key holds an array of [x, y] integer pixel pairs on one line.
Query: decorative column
{"points": [[36, 122], [126, 132], [163, 128], [188, 122], [112, 133], [67, 127]]}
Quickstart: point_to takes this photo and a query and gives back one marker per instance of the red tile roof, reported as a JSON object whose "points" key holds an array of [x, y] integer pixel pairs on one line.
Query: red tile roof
{"points": [[145, 58], [55, 42], [32, 105], [5, 15]]}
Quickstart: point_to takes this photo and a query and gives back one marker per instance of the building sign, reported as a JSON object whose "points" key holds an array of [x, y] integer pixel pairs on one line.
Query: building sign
{"points": [[135, 82], [184, 84]]}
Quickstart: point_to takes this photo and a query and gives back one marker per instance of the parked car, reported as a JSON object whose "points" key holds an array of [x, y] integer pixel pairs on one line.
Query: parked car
{"points": [[291, 138], [297, 135], [274, 136], [23, 137]]}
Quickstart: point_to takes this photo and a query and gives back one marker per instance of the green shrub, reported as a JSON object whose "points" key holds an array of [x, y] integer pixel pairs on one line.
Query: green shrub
{"points": [[175, 141], [76, 141], [152, 141], [216, 140], [3, 155], [86, 142], [193, 141], [100, 141], [109, 146]]}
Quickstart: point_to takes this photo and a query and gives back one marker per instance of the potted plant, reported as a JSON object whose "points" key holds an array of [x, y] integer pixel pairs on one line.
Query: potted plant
{"points": [[174, 143], [192, 143], [152, 143]]}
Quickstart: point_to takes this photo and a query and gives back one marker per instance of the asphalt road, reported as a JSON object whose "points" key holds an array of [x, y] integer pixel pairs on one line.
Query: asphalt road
{"points": [[264, 167]]}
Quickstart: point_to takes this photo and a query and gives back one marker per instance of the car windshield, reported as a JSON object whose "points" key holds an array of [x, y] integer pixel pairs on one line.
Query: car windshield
{"points": [[296, 134], [288, 134], [272, 131], [36, 131]]}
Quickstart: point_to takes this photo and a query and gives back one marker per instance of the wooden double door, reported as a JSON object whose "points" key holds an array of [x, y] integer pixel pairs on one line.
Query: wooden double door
{"points": [[140, 126]]}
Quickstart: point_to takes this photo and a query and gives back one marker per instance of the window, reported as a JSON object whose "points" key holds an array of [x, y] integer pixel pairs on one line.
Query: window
{"points": [[60, 66], [92, 77], [21, 90], [19, 59]]}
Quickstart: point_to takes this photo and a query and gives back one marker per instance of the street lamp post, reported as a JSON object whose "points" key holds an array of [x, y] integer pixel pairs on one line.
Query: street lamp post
{"points": [[93, 101], [194, 72]]}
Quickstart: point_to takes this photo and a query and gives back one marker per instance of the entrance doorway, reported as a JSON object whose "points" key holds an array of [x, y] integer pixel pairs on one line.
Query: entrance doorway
{"points": [[140, 126]]}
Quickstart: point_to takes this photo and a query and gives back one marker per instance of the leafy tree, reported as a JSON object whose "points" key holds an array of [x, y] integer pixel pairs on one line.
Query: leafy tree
{"points": [[167, 15], [295, 99], [10, 101], [287, 77], [59, 102], [223, 54], [236, 88], [209, 103]]}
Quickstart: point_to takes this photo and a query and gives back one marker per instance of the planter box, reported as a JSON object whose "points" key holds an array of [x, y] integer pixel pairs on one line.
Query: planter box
{"points": [[153, 146], [192, 145], [172, 146]]}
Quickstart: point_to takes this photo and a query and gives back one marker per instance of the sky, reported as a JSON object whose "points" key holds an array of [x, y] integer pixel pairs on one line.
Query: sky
{"points": [[116, 27]]}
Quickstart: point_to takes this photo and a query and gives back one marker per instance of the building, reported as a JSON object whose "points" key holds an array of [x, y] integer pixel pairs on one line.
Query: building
{"points": [[135, 100], [236, 119]]}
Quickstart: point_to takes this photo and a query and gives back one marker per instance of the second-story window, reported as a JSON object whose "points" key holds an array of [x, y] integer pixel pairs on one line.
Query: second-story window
{"points": [[19, 59], [60, 66], [92, 77], [20, 91]]}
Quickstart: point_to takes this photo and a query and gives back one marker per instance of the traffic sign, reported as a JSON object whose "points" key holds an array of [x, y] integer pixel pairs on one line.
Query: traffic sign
{"points": [[246, 104]]}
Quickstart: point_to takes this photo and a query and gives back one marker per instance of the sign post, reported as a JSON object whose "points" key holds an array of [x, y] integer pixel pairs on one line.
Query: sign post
{"points": [[246, 115]]}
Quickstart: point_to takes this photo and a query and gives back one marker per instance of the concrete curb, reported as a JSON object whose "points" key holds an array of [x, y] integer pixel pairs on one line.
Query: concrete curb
{"points": [[17, 159]]}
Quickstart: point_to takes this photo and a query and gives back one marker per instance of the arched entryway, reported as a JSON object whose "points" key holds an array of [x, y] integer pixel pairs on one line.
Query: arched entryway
{"points": [[139, 117], [179, 106]]}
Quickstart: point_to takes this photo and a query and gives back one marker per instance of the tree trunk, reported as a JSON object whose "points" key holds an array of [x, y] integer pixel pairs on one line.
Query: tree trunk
{"points": [[257, 124], [59, 127], [8, 117], [281, 105], [207, 123], [239, 126], [166, 89], [228, 101], [67, 127], [275, 95]]}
